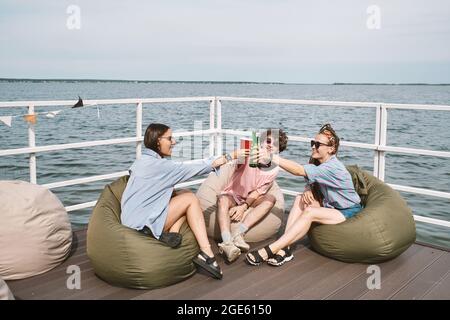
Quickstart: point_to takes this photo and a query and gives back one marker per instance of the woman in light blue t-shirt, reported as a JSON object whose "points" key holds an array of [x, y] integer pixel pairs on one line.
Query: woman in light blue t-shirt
{"points": [[338, 199]]}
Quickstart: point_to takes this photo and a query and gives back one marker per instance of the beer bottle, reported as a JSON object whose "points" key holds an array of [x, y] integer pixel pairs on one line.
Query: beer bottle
{"points": [[254, 150]]}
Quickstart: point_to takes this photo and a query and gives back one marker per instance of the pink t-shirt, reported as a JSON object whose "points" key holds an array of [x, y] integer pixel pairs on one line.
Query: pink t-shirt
{"points": [[246, 179]]}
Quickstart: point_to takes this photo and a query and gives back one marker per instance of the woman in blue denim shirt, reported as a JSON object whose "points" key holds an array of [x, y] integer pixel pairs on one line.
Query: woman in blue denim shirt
{"points": [[149, 203]]}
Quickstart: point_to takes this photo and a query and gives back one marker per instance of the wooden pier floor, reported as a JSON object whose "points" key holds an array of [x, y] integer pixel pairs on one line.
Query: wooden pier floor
{"points": [[419, 273]]}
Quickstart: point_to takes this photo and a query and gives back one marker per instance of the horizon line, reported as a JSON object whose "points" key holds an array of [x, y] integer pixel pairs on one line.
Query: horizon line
{"points": [[221, 81]]}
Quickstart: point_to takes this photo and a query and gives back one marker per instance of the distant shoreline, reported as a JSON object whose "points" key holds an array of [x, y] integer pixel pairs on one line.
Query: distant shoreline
{"points": [[220, 82]]}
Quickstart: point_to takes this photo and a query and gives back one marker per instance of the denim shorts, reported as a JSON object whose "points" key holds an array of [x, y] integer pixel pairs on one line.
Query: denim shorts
{"points": [[351, 211]]}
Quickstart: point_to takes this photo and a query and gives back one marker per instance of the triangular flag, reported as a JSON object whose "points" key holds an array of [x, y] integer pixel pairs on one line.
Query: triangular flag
{"points": [[30, 118], [6, 120], [53, 114], [79, 103]]}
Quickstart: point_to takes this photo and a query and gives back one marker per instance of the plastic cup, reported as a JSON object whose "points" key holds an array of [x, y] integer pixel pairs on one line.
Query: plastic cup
{"points": [[246, 143]]}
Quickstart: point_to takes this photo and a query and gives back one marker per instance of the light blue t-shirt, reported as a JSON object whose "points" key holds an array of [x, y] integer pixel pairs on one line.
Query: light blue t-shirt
{"points": [[335, 183], [145, 200]]}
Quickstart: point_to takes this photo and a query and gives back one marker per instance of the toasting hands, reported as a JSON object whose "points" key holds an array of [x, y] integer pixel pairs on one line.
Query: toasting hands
{"points": [[240, 153], [263, 156]]}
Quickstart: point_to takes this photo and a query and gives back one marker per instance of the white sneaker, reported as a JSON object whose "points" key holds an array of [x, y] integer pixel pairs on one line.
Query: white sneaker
{"points": [[239, 242], [229, 251]]}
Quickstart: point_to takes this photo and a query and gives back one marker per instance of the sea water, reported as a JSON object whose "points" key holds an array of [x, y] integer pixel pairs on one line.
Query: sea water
{"points": [[406, 128]]}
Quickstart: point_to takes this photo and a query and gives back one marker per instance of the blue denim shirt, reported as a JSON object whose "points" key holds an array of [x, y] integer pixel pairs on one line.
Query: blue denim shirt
{"points": [[335, 183], [145, 200]]}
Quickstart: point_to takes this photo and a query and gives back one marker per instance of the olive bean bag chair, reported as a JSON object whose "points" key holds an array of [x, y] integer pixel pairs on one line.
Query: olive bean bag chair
{"points": [[35, 231], [381, 231], [125, 257], [214, 184]]}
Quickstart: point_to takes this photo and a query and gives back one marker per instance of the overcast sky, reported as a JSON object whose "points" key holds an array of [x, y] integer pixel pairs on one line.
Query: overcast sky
{"points": [[228, 40]]}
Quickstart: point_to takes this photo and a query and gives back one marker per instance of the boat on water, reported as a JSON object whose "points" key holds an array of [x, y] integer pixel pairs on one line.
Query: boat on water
{"points": [[421, 272]]}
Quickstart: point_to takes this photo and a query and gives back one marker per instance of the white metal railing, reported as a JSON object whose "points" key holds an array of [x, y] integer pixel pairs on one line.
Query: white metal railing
{"points": [[216, 133]]}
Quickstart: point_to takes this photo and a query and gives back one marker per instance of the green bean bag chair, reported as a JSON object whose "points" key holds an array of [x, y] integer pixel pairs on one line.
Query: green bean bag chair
{"points": [[125, 257], [381, 231]]}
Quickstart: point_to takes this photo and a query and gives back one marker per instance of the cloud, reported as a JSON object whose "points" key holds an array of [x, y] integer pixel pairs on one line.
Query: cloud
{"points": [[146, 40]]}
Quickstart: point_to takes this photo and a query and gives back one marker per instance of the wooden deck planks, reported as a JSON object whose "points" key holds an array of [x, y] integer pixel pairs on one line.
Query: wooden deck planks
{"points": [[277, 278], [426, 280], [441, 291], [254, 275], [390, 283], [419, 273], [357, 288], [331, 282]]}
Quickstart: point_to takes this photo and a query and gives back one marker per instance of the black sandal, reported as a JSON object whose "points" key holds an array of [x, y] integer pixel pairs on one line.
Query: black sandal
{"points": [[209, 264], [288, 256], [278, 259], [257, 259]]}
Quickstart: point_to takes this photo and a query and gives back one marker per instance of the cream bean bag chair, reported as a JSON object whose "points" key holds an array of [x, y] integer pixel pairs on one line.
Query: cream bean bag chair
{"points": [[213, 185], [35, 232], [5, 293]]}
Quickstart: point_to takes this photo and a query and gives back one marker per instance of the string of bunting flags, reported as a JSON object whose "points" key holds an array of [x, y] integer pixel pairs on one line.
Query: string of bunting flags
{"points": [[32, 118]]}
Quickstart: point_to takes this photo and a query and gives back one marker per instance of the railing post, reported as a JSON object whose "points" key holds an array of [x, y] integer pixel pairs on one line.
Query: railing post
{"points": [[376, 160], [32, 143], [219, 140], [383, 139], [212, 106], [139, 130]]}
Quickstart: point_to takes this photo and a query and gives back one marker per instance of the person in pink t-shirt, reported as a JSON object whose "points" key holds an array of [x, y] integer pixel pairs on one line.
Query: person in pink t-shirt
{"points": [[248, 187]]}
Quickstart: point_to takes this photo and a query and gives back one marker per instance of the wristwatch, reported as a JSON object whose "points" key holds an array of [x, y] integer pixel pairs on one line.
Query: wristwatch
{"points": [[228, 157]]}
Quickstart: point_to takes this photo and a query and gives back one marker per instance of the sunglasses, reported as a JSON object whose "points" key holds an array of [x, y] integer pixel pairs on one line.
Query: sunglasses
{"points": [[317, 144], [168, 138]]}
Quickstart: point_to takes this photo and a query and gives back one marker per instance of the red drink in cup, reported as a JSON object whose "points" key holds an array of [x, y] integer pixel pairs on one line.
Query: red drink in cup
{"points": [[246, 143]]}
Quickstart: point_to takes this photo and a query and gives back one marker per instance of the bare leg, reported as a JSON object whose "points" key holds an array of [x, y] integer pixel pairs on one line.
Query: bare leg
{"points": [[187, 205], [177, 225], [261, 206], [224, 203], [301, 225], [296, 211]]}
